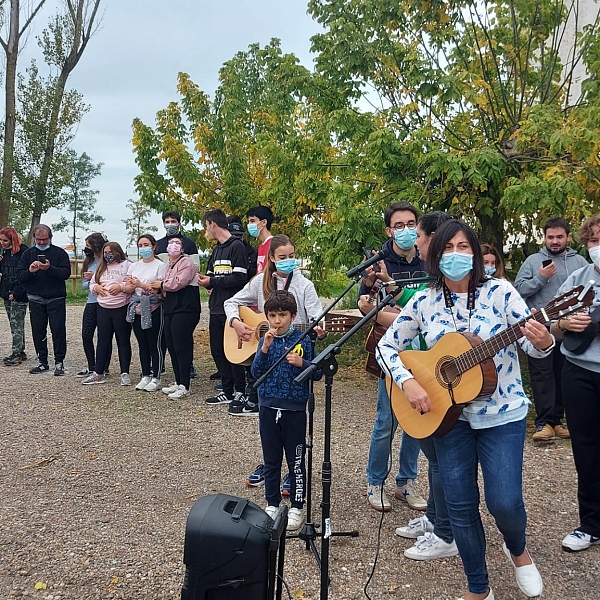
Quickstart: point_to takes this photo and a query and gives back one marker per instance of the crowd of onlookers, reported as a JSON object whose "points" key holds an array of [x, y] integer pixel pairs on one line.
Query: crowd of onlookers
{"points": [[158, 297]]}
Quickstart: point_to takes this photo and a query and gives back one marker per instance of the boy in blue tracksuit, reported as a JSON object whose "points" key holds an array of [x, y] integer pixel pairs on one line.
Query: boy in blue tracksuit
{"points": [[282, 404]]}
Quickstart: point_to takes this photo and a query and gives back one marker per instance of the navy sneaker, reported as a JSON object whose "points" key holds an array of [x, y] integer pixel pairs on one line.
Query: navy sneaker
{"points": [[219, 387], [257, 478], [286, 486], [40, 368]]}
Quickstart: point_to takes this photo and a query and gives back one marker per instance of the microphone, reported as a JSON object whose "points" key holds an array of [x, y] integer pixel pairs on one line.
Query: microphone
{"points": [[407, 282], [383, 253]]}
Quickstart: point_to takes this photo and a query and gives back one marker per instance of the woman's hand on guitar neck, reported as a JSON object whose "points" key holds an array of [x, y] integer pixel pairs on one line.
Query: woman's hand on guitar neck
{"points": [[537, 334], [244, 332], [416, 396]]}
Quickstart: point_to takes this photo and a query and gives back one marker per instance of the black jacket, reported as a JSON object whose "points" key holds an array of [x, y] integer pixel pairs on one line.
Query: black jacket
{"points": [[46, 284], [10, 284]]}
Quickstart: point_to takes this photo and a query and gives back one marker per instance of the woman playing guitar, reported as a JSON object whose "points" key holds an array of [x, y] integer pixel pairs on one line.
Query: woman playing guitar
{"points": [[490, 431]]}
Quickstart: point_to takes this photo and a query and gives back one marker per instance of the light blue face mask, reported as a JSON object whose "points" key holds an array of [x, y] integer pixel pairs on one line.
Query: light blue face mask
{"points": [[456, 265], [253, 229], [489, 270], [42, 248], [286, 266], [405, 238], [146, 252]]}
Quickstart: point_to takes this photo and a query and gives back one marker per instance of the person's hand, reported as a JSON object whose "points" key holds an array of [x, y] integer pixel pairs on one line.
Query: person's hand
{"points": [[155, 285], [417, 397], [537, 333], [87, 275], [99, 290], [34, 267], [268, 339], [576, 322], [383, 274], [44, 266], [549, 271], [364, 304], [203, 280], [244, 332], [11, 297], [294, 359], [321, 333], [114, 289]]}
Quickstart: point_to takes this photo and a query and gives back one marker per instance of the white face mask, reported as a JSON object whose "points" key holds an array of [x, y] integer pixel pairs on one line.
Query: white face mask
{"points": [[594, 253]]}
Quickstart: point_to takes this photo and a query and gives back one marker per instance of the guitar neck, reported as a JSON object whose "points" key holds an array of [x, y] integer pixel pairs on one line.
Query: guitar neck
{"points": [[489, 348]]}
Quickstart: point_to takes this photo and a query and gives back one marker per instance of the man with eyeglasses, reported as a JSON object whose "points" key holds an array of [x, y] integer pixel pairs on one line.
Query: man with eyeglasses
{"points": [[43, 271], [402, 261]]}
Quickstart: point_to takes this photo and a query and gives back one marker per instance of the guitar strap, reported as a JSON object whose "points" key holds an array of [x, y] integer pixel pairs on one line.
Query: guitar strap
{"points": [[286, 287], [450, 303]]}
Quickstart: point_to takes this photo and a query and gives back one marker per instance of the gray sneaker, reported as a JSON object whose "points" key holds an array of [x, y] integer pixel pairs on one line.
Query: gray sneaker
{"points": [[125, 379], [93, 379], [59, 369]]}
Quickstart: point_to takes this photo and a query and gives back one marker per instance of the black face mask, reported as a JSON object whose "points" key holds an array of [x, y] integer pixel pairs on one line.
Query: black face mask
{"points": [[109, 257], [88, 252]]}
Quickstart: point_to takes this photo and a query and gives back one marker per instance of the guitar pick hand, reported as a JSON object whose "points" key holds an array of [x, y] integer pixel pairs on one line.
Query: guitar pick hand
{"points": [[416, 396]]}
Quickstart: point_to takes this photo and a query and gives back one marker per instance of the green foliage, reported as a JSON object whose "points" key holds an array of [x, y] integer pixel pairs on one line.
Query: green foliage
{"points": [[137, 224]]}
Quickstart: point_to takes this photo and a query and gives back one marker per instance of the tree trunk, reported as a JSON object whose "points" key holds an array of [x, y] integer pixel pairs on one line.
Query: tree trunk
{"points": [[12, 52], [492, 230], [35, 221]]}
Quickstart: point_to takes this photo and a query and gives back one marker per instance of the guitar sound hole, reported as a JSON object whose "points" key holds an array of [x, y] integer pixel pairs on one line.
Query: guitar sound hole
{"points": [[446, 373], [262, 329]]}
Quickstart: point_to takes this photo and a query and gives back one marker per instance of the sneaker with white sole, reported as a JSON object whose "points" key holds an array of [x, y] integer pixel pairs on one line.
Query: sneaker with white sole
{"points": [[410, 495], [272, 511], [221, 398], [179, 393], [430, 547], [415, 528], [84, 373], [41, 368], [153, 386], [144, 381], [295, 519], [257, 478], [377, 498], [579, 540], [528, 577], [59, 369], [125, 379], [170, 389], [93, 379]]}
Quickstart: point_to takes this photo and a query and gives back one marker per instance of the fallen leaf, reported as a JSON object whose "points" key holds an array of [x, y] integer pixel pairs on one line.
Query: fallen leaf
{"points": [[114, 580], [40, 463], [40, 585]]}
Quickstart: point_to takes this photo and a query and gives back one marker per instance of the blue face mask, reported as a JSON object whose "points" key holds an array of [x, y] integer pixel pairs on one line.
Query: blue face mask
{"points": [[146, 252], [489, 270], [456, 265], [42, 248], [286, 266], [405, 238], [253, 229]]}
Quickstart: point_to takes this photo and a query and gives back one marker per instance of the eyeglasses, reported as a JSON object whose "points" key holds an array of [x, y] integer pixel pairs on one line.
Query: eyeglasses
{"points": [[401, 226], [46, 239]]}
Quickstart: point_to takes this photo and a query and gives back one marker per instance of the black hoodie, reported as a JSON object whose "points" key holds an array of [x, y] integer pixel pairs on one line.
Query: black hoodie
{"points": [[10, 284]]}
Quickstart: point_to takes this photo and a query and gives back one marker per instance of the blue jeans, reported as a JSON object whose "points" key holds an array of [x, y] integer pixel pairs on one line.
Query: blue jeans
{"points": [[381, 442], [499, 451], [437, 511]]}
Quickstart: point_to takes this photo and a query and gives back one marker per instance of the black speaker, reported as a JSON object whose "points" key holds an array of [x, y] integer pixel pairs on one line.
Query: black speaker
{"points": [[230, 550]]}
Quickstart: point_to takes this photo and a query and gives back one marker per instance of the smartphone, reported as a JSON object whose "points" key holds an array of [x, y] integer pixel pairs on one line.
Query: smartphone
{"points": [[368, 252], [546, 262], [42, 258]]}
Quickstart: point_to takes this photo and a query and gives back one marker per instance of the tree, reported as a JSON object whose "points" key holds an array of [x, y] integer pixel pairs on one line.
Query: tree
{"points": [[36, 101], [79, 199], [137, 224], [11, 48]]}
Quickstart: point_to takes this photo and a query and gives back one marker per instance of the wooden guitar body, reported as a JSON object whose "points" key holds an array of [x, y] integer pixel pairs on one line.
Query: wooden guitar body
{"points": [[448, 389], [243, 354]]}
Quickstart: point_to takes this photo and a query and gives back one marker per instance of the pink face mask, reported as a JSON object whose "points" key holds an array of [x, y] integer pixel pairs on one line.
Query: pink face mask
{"points": [[174, 249]]}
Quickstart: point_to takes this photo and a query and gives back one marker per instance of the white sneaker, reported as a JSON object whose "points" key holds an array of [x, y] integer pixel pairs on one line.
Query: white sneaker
{"points": [[153, 385], [170, 389], [415, 528], [144, 381], [528, 577], [272, 511], [295, 519], [377, 498], [179, 393], [578, 540], [125, 379], [430, 547], [410, 495]]}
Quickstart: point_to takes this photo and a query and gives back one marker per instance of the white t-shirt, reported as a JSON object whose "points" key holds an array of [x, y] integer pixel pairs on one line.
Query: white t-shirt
{"points": [[147, 272]]}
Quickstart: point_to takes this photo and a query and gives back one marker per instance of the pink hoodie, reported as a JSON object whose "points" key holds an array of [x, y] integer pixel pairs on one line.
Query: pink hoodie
{"points": [[115, 273]]}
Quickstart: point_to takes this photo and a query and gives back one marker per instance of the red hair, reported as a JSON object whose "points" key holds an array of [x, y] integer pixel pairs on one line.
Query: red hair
{"points": [[14, 237]]}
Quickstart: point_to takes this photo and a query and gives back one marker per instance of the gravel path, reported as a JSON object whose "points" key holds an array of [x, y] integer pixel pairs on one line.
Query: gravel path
{"points": [[97, 481]]}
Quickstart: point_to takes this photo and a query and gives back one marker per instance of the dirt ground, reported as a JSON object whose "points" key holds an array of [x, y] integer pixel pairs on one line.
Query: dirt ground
{"points": [[97, 482]]}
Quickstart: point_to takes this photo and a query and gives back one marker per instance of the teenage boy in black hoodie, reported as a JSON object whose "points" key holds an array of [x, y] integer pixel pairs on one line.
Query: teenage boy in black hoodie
{"points": [[42, 271], [226, 274]]}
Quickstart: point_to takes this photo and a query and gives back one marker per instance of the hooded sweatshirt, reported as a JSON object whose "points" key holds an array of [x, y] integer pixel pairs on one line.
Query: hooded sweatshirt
{"points": [[537, 290]]}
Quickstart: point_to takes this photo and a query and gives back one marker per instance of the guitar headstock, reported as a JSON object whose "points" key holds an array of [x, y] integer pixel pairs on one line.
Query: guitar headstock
{"points": [[575, 299], [339, 324]]}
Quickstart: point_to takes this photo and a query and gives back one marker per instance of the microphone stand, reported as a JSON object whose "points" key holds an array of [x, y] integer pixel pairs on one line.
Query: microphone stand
{"points": [[327, 361]]}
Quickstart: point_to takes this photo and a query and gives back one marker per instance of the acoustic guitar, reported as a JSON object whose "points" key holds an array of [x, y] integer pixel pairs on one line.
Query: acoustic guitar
{"points": [[242, 353], [460, 369]]}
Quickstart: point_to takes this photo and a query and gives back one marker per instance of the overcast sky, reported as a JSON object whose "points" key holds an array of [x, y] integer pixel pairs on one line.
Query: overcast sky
{"points": [[130, 67]]}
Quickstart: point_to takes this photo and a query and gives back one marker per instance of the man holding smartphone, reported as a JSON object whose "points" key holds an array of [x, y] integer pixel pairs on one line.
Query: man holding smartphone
{"points": [[538, 281], [42, 271]]}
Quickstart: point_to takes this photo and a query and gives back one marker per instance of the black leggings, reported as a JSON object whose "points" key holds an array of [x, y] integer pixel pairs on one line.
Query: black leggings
{"points": [[149, 342], [179, 334], [89, 324], [111, 321]]}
